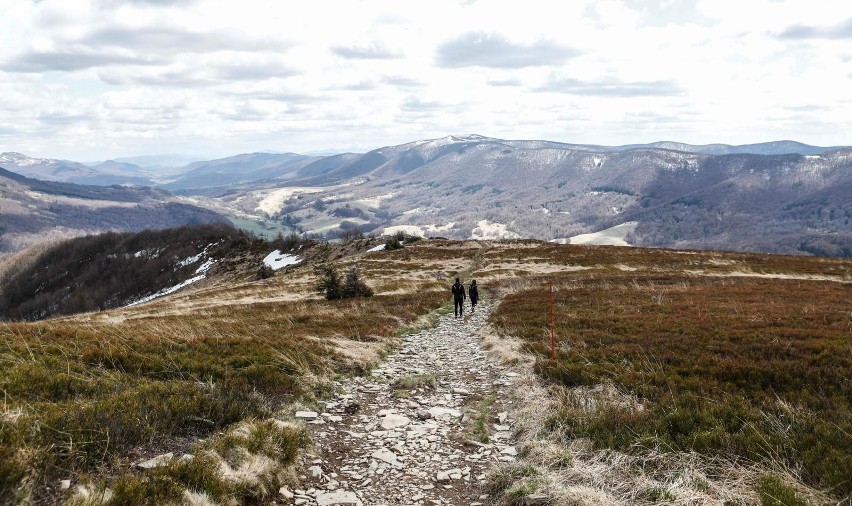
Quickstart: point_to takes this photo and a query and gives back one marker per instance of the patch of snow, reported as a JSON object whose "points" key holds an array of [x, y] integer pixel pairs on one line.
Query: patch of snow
{"points": [[169, 290], [490, 230], [274, 200], [406, 229], [205, 267], [191, 260], [418, 230], [380, 247], [545, 211], [150, 253], [613, 236], [278, 260], [812, 157], [376, 201], [441, 228]]}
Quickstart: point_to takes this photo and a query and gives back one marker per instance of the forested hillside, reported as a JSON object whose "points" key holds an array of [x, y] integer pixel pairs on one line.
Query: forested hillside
{"points": [[111, 270]]}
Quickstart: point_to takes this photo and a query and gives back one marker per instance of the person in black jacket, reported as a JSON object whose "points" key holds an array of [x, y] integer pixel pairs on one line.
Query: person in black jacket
{"points": [[458, 298], [474, 294]]}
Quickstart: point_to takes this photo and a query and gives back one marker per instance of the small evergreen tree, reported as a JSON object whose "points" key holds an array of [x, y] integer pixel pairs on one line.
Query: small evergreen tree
{"points": [[329, 282], [265, 271], [353, 286]]}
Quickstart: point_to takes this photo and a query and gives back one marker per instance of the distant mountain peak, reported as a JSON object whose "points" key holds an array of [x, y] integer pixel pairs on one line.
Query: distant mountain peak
{"points": [[21, 160]]}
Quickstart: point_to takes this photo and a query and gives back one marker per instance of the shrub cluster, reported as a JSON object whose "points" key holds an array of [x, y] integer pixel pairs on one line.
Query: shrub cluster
{"points": [[351, 286]]}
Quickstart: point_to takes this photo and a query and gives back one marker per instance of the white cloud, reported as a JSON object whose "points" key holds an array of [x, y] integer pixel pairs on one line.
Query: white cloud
{"points": [[92, 79]]}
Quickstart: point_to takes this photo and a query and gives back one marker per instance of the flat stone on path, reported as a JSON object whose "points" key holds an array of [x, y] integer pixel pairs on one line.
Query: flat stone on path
{"points": [[392, 421], [307, 415], [386, 456], [338, 499]]}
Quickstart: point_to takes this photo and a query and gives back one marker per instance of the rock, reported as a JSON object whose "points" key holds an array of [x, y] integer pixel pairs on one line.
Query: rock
{"points": [[424, 414], [65, 484], [316, 471], [386, 456], [509, 450], [392, 421], [461, 391], [158, 461], [442, 476], [339, 498], [441, 412], [536, 500], [306, 415], [502, 417], [285, 492]]}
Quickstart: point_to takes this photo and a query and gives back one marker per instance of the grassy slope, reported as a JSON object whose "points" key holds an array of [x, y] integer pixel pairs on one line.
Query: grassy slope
{"points": [[752, 368], [85, 395], [749, 366]]}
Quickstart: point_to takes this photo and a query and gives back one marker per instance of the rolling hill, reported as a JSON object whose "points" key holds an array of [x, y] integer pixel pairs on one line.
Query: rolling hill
{"points": [[33, 211], [777, 197], [472, 186]]}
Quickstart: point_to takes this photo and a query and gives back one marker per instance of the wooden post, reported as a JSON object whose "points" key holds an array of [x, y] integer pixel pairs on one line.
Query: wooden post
{"points": [[552, 335]]}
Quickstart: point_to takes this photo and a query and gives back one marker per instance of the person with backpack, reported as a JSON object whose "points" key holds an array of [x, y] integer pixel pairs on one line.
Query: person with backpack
{"points": [[458, 298], [473, 291]]}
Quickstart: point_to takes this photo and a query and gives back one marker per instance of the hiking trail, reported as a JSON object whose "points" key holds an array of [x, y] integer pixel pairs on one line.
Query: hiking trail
{"points": [[414, 431]]}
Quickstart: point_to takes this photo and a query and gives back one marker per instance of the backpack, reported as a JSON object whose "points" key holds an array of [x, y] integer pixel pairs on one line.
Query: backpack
{"points": [[458, 290]]}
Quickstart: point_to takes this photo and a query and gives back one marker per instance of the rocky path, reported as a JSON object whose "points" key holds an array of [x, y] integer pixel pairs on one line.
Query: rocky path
{"points": [[423, 429]]}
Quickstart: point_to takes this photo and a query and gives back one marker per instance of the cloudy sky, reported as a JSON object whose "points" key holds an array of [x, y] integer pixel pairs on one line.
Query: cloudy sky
{"points": [[96, 79]]}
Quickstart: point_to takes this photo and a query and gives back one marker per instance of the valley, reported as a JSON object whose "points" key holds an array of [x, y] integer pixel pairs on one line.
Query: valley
{"points": [[779, 197]]}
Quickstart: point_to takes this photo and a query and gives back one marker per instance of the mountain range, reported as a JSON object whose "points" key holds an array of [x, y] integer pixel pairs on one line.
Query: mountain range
{"points": [[34, 211], [781, 197]]}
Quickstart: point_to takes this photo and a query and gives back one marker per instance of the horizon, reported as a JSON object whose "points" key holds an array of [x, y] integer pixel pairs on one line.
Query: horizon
{"points": [[331, 152], [103, 79]]}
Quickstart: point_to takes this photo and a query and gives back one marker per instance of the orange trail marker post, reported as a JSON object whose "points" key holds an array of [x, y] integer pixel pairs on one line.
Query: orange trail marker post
{"points": [[552, 335]]}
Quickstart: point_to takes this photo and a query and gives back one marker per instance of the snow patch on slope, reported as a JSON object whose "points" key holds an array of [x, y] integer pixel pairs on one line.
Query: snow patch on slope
{"points": [[614, 236], [273, 201], [169, 290], [278, 260], [489, 230], [418, 230]]}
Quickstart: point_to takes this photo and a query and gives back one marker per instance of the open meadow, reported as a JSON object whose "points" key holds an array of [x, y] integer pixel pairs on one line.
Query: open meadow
{"points": [[714, 377], [734, 359], [87, 395]]}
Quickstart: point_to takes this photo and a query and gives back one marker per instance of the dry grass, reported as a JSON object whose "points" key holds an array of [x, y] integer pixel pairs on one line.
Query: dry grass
{"points": [[572, 471], [664, 374], [84, 394]]}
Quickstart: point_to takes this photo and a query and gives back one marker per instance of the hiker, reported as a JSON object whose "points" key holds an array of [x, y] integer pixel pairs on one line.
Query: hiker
{"points": [[474, 294], [458, 298]]}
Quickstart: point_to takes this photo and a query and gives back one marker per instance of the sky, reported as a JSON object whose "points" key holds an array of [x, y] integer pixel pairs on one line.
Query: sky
{"points": [[91, 80]]}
